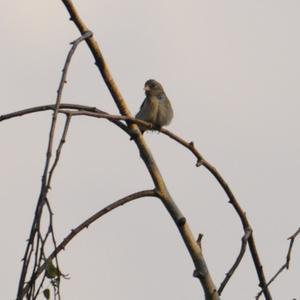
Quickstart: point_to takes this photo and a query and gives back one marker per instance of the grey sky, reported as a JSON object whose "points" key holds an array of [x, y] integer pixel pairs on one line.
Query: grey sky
{"points": [[231, 69]]}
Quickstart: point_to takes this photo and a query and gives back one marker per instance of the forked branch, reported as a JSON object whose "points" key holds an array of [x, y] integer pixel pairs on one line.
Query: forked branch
{"points": [[286, 265], [86, 224]]}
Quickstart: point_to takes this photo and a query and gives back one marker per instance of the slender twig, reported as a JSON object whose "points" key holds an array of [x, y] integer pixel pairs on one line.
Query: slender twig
{"points": [[58, 151], [237, 261], [87, 223], [63, 107], [43, 192], [51, 230], [286, 265]]}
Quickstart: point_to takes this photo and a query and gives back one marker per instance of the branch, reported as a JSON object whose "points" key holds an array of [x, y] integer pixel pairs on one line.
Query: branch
{"points": [[94, 112], [86, 224], [62, 106], [235, 204], [58, 151], [245, 239], [146, 155], [286, 265], [43, 192]]}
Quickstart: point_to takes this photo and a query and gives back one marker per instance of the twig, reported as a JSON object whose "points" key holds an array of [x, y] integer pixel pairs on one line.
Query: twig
{"points": [[36, 221], [63, 107], [286, 265], [58, 151], [87, 223], [237, 261]]}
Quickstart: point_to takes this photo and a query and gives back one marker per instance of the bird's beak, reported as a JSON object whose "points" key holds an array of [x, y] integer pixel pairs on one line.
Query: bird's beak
{"points": [[146, 88]]}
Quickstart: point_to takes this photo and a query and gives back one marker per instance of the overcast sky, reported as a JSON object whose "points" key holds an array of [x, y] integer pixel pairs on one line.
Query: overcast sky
{"points": [[231, 69]]}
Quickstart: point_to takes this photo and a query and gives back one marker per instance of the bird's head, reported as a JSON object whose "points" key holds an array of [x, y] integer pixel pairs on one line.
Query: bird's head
{"points": [[153, 88]]}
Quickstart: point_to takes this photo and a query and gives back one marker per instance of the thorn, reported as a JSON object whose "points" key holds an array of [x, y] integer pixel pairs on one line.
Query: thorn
{"points": [[197, 274], [200, 236], [181, 221], [191, 144], [199, 162]]}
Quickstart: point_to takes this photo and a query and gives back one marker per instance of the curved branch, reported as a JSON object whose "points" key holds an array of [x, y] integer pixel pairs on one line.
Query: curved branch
{"points": [[237, 261], [58, 151], [235, 204], [62, 106], [86, 224], [79, 110]]}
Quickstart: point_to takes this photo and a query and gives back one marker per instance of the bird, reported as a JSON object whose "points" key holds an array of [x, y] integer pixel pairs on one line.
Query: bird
{"points": [[156, 108]]}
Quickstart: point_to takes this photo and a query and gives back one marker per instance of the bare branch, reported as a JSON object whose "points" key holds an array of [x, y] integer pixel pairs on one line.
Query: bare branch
{"points": [[235, 204], [58, 151], [94, 112], [286, 265], [86, 224], [177, 216], [63, 106], [237, 261], [43, 192]]}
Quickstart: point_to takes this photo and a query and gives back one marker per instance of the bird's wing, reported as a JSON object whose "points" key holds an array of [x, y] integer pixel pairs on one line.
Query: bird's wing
{"points": [[148, 110], [141, 107]]}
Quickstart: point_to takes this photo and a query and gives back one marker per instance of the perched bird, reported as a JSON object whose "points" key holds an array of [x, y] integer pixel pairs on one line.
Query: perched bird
{"points": [[156, 108]]}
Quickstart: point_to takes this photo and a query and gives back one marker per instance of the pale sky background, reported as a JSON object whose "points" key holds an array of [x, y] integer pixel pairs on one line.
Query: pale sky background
{"points": [[231, 69]]}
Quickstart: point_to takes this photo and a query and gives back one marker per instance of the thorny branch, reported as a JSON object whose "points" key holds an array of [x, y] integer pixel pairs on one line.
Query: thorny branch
{"points": [[93, 112], [79, 110], [34, 242], [87, 223], [37, 241], [58, 151], [237, 261]]}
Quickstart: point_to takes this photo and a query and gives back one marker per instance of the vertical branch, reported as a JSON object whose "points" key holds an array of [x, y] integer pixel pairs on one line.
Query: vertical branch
{"points": [[35, 228], [58, 151]]}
